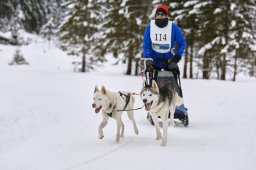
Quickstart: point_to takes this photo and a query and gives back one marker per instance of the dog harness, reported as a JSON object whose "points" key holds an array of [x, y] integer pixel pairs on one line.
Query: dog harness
{"points": [[110, 114], [126, 97]]}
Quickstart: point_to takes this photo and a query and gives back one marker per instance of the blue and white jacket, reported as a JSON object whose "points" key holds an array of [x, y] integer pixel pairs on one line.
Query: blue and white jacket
{"points": [[160, 59]]}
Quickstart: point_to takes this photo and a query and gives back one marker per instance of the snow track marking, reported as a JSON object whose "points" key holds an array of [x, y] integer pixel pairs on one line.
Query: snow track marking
{"points": [[101, 156]]}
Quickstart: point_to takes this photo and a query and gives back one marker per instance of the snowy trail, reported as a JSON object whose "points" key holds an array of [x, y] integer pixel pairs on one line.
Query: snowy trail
{"points": [[46, 122], [101, 156]]}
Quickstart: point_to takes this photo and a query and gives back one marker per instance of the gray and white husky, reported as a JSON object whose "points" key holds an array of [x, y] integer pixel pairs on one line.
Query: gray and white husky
{"points": [[112, 105], [159, 100]]}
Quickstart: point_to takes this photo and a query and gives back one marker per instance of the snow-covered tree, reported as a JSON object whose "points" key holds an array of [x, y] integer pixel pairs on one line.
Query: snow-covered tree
{"points": [[77, 33], [221, 33], [185, 14], [123, 28], [136, 14], [34, 13], [243, 26]]}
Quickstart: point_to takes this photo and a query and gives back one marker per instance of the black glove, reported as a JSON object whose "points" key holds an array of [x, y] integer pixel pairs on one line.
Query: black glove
{"points": [[173, 67], [149, 66], [146, 65], [176, 58]]}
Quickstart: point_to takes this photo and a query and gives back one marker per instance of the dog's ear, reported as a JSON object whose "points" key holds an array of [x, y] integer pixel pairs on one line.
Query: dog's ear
{"points": [[155, 86], [96, 89], [103, 90]]}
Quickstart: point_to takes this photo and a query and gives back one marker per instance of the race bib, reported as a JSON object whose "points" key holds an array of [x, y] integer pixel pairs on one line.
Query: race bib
{"points": [[161, 37]]}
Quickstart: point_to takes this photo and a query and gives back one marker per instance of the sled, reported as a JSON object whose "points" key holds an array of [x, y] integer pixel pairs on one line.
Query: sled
{"points": [[181, 112]]}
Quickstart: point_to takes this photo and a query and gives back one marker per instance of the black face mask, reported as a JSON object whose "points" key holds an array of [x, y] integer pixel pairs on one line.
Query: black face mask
{"points": [[161, 23]]}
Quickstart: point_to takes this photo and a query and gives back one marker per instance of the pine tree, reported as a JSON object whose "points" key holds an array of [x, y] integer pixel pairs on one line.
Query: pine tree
{"points": [[6, 13], [77, 32], [185, 15], [34, 13], [136, 13], [243, 27], [123, 27], [112, 33]]}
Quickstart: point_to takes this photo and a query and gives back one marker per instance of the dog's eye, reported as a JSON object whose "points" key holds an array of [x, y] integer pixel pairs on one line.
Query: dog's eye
{"points": [[150, 95], [143, 95], [100, 99]]}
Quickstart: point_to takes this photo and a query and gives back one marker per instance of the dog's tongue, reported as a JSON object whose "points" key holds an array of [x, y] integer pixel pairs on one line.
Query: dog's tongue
{"points": [[98, 109], [147, 106]]}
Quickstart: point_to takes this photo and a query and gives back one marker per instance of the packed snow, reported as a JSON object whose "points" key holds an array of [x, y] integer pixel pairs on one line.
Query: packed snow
{"points": [[47, 122]]}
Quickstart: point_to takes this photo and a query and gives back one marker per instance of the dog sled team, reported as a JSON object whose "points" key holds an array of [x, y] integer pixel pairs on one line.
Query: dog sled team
{"points": [[161, 88]]}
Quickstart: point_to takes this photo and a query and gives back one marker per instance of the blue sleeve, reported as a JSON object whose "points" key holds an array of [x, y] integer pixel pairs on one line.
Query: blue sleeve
{"points": [[147, 45], [179, 40]]}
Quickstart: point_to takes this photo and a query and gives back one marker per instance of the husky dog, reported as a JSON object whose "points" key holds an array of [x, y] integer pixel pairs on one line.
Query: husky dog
{"points": [[112, 105], [159, 100]]}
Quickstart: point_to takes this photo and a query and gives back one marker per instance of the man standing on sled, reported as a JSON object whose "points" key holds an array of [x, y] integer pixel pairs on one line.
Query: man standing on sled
{"points": [[160, 37]]}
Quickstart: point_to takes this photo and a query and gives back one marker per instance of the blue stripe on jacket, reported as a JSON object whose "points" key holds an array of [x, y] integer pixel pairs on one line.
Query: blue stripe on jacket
{"points": [[160, 59]]}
